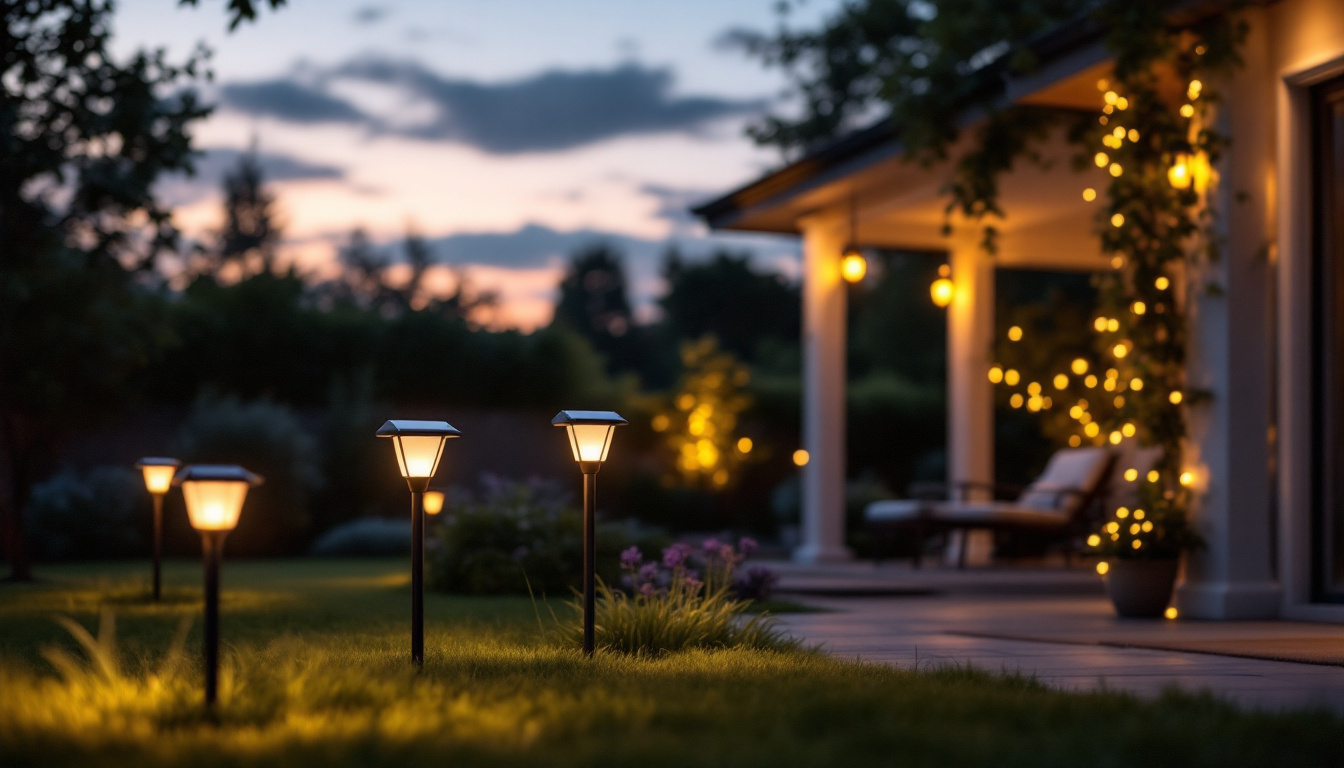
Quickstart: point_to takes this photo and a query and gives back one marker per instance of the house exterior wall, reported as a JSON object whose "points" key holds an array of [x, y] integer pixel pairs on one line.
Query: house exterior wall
{"points": [[1305, 47], [1229, 356]]}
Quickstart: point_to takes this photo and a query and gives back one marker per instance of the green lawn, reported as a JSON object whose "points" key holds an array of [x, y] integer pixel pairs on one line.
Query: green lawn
{"points": [[317, 674]]}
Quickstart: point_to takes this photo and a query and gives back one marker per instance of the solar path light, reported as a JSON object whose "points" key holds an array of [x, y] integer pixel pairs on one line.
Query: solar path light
{"points": [[590, 439], [214, 495], [158, 472], [419, 446]]}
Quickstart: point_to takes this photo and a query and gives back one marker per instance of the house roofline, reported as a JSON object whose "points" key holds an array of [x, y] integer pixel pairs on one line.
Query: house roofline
{"points": [[880, 140]]}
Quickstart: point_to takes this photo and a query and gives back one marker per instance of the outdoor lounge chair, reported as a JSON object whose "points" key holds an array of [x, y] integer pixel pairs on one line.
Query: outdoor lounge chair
{"points": [[1054, 503]]}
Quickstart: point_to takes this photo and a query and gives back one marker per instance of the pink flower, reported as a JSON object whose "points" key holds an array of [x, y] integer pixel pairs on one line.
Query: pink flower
{"points": [[675, 555], [630, 557], [747, 546], [711, 546], [648, 572]]}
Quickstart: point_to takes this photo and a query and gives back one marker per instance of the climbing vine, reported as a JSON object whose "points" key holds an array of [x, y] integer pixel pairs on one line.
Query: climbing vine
{"points": [[1152, 145]]}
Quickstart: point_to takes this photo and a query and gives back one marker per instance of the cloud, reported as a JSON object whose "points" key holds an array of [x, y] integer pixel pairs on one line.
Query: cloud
{"points": [[180, 189], [549, 111], [289, 101], [370, 14]]}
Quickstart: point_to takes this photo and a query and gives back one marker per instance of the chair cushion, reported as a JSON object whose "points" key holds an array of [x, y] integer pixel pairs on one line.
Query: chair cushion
{"points": [[963, 513], [1079, 469], [896, 510]]}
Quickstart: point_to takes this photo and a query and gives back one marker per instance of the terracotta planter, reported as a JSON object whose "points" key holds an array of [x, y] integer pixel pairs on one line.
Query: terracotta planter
{"points": [[1141, 588]]}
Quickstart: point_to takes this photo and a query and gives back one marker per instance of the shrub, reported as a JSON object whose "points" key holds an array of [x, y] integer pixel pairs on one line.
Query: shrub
{"points": [[366, 537], [667, 607], [102, 514], [512, 536], [266, 438]]}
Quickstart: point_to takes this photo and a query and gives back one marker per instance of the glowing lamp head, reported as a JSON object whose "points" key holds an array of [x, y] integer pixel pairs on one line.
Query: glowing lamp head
{"points": [[589, 433], [158, 472], [943, 288], [852, 265], [214, 494], [419, 445], [433, 502]]}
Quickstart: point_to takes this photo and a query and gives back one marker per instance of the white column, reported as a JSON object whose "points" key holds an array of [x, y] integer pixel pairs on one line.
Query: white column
{"points": [[970, 395], [823, 521], [1230, 356]]}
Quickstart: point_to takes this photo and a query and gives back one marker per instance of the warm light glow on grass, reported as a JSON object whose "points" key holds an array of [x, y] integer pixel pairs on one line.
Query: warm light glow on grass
{"points": [[1011, 377], [1061, 381], [744, 445], [1187, 478], [1089, 194], [995, 375], [1175, 397], [1079, 366], [1015, 333], [1170, 613], [1101, 159], [1131, 474], [1103, 567]]}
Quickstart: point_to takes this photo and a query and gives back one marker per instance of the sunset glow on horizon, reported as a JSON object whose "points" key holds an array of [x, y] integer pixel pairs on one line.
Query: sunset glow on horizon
{"points": [[506, 135]]}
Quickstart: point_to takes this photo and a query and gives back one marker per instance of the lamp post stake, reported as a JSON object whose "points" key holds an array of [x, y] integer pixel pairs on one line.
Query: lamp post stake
{"points": [[418, 578], [158, 544], [589, 557], [589, 435], [212, 542]]}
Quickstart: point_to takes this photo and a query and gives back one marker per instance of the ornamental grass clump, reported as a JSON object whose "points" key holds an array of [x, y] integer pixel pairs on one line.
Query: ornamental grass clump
{"points": [[667, 605]]}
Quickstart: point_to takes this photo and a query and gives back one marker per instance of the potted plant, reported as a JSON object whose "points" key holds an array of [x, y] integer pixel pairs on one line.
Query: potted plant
{"points": [[1142, 548]]}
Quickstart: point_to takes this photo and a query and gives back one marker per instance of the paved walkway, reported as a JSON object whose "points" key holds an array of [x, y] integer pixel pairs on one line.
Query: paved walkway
{"points": [[898, 616]]}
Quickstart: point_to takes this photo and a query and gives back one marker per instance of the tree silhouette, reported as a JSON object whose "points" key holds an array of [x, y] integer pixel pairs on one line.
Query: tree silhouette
{"points": [[84, 139], [248, 240], [594, 301]]}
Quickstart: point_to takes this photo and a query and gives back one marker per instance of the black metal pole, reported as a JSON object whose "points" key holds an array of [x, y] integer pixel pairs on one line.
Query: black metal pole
{"points": [[589, 559], [418, 578], [212, 544], [158, 543]]}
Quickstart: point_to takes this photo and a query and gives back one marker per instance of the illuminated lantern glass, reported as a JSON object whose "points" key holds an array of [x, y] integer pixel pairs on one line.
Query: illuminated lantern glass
{"points": [[589, 432], [852, 265], [158, 472], [941, 290], [419, 444], [214, 494], [433, 502]]}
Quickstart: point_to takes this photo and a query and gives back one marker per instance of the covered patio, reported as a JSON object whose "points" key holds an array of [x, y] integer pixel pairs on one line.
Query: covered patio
{"points": [[863, 189]]}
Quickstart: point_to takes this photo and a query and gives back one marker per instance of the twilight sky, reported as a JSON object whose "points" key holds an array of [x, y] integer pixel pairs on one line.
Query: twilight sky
{"points": [[508, 132]]}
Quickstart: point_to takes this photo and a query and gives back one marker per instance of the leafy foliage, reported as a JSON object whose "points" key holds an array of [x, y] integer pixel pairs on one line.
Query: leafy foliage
{"points": [[668, 606], [83, 137], [515, 538], [100, 514], [266, 438], [701, 426]]}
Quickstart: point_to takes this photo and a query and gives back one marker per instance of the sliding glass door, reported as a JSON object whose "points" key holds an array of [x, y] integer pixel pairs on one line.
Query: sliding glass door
{"points": [[1328, 341]]}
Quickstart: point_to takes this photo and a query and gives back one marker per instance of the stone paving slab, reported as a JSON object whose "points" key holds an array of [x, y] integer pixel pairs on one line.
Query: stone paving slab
{"points": [[1065, 630]]}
